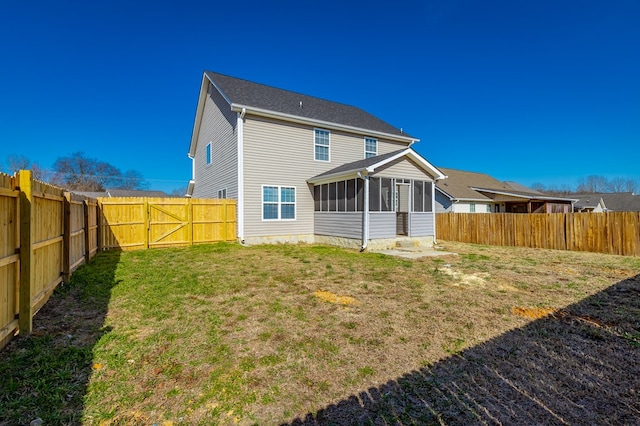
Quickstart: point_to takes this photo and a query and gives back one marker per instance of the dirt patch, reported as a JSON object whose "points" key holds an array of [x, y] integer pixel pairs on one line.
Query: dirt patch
{"points": [[533, 313], [327, 296], [462, 279]]}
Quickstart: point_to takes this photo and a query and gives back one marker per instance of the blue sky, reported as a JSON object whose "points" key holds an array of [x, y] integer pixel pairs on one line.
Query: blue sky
{"points": [[531, 91]]}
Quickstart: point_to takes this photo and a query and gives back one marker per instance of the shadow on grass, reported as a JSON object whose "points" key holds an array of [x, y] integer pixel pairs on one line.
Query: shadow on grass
{"points": [[45, 375], [579, 366]]}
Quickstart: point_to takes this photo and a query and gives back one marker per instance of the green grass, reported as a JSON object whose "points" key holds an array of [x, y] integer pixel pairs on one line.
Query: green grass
{"points": [[225, 334]]}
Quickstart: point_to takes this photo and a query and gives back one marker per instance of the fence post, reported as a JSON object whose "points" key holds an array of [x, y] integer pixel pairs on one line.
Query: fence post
{"points": [[66, 238], [99, 225], [27, 278], [87, 249], [147, 220]]}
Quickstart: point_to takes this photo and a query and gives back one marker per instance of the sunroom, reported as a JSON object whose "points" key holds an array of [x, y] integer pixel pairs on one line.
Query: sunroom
{"points": [[376, 202]]}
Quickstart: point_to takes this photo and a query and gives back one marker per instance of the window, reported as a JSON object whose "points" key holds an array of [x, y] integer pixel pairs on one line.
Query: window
{"points": [[488, 208], [278, 203], [370, 147], [208, 153], [321, 145], [472, 207], [222, 193]]}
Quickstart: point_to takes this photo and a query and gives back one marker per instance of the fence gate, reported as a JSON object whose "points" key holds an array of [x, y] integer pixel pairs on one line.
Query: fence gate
{"points": [[169, 223]]}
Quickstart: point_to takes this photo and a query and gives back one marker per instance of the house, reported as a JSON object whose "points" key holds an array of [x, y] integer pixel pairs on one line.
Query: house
{"points": [[305, 169], [472, 192], [607, 202]]}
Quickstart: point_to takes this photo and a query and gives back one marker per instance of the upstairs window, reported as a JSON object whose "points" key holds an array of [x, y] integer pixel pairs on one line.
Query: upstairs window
{"points": [[370, 147], [321, 145], [208, 154]]}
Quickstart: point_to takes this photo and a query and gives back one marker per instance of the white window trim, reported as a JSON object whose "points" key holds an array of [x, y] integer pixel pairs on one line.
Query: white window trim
{"points": [[328, 146], [279, 203], [208, 150], [365, 147]]}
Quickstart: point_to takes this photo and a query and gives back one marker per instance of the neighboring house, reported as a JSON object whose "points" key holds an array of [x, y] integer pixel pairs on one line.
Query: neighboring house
{"points": [[304, 169], [123, 193], [607, 202], [471, 192]]}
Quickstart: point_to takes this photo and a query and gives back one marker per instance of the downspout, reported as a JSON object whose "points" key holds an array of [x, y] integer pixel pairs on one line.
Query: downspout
{"points": [[365, 212], [240, 207], [433, 210]]}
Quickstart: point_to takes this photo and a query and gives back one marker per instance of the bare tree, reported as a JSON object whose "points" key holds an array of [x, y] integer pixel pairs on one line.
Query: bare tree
{"points": [[78, 172], [538, 186], [592, 183], [179, 192], [132, 179], [617, 184], [17, 162]]}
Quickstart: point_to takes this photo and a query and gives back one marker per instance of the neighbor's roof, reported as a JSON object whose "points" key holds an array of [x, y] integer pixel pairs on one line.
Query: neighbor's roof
{"points": [[244, 93], [124, 193], [369, 165], [614, 201], [459, 183], [463, 185]]}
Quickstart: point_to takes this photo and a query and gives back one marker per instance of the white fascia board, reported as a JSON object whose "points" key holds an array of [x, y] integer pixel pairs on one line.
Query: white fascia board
{"points": [[526, 197], [437, 174], [202, 97], [336, 177], [319, 123]]}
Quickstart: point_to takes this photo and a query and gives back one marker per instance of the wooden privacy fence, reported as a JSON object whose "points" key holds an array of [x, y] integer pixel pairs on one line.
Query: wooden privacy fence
{"points": [[47, 233], [612, 232], [140, 223]]}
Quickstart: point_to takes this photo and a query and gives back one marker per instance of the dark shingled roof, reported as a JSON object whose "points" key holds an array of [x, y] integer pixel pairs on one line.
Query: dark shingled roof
{"points": [[613, 201], [359, 165], [250, 94]]}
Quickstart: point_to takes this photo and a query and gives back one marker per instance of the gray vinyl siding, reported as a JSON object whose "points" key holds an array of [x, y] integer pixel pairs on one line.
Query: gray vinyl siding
{"points": [[403, 168], [382, 225], [339, 224], [282, 154], [443, 203], [421, 224], [218, 127]]}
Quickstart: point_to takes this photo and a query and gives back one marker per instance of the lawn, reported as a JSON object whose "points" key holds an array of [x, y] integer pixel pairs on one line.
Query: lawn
{"points": [[303, 334]]}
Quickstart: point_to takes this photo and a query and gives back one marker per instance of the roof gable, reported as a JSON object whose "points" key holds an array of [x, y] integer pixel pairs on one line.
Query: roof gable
{"points": [[369, 165]]}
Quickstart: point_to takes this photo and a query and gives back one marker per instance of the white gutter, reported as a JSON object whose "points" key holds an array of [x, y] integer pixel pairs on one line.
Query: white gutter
{"points": [[433, 210], [365, 212]]}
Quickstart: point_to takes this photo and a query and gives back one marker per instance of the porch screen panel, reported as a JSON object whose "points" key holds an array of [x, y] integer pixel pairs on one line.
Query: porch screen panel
{"points": [[428, 203], [360, 195], [386, 194], [332, 197], [351, 195], [418, 196], [374, 194], [316, 197], [342, 196], [325, 197]]}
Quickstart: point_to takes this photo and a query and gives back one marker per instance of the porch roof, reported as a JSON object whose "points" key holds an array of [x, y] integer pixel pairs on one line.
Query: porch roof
{"points": [[369, 165], [524, 195]]}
